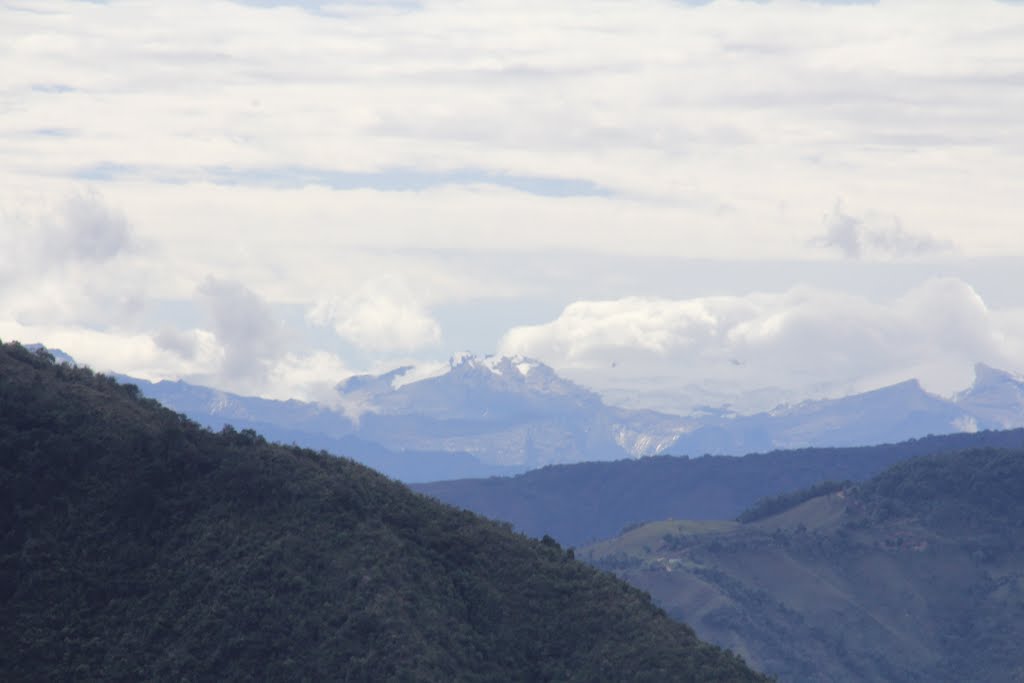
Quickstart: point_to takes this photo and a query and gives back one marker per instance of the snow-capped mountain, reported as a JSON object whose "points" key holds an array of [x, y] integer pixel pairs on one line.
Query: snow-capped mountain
{"points": [[469, 387], [503, 410]]}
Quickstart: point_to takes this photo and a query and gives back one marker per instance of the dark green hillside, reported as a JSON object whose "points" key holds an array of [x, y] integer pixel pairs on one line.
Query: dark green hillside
{"points": [[959, 492], [914, 575], [585, 502], [136, 546]]}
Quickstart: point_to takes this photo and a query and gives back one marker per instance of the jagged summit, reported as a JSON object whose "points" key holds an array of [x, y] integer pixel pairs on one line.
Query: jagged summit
{"points": [[460, 365], [514, 366], [467, 382]]}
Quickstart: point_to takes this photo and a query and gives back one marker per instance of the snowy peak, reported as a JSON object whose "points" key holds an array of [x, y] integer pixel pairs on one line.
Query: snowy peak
{"points": [[514, 368], [464, 371]]}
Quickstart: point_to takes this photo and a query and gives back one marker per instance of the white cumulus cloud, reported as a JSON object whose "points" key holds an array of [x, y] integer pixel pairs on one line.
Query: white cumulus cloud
{"points": [[381, 315], [774, 347], [252, 338]]}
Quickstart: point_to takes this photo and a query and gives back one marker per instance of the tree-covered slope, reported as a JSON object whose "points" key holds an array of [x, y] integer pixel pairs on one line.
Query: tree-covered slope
{"points": [[135, 545], [914, 575], [585, 502]]}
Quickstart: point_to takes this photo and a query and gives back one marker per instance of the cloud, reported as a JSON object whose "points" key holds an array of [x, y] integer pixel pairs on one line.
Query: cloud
{"points": [[308, 376], [134, 354], [791, 345], [80, 229], [184, 344], [382, 315], [305, 152], [244, 325], [875, 236], [90, 230], [72, 260], [783, 103]]}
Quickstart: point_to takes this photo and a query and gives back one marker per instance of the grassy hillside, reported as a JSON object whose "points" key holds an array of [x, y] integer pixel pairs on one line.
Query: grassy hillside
{"points": [[915, 575], [135, 545], [586, 502]]}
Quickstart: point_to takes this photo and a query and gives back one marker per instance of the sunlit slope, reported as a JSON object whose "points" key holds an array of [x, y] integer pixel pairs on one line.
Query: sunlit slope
{"points": [[137, 546]]}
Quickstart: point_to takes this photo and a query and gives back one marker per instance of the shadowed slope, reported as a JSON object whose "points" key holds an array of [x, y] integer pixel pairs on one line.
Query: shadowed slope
{"points": [[136, 546]]}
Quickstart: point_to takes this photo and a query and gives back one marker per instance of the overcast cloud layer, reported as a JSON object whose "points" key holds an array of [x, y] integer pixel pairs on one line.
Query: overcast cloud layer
{"points": [[674, 202]]}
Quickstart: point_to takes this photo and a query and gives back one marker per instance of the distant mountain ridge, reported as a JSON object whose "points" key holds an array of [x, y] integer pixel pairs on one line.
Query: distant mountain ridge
{"points": [[585, 502], [493, 415], [890, 414], [894, 413]]}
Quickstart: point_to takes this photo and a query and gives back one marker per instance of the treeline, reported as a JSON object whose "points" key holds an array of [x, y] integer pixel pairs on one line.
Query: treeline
{"points": [[774, 505]]}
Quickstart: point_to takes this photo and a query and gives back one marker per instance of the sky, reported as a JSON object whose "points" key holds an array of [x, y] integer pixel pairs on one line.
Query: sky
{"points": [[674, 203]]}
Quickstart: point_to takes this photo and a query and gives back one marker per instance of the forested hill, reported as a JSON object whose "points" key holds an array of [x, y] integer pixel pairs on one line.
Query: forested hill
{"points": [[138, 546], [914, 575], [962, 493], [581, 503]]}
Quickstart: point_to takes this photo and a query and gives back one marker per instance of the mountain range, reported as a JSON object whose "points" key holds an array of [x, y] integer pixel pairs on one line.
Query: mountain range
{"points": [[480, 417], [493, 416]]}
